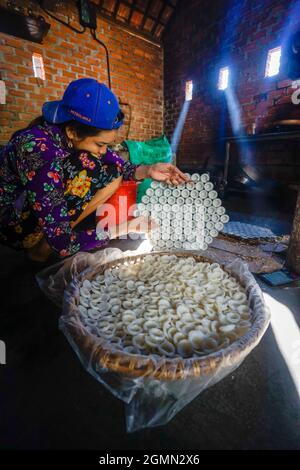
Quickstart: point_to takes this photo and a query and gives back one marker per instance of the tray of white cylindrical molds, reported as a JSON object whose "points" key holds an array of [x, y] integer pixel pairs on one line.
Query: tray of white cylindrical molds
{"points": [[189, 216], [165, 316]]}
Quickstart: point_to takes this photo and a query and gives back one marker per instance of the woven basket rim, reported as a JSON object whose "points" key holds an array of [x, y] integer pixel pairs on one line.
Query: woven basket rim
{"points": [[137, 365]]}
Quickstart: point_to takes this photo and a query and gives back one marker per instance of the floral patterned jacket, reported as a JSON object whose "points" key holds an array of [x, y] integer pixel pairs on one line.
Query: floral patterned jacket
{"points": [[31, 179]]}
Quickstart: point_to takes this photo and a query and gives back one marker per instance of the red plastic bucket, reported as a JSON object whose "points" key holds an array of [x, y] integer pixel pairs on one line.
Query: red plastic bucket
{"points": [[120, 206]]}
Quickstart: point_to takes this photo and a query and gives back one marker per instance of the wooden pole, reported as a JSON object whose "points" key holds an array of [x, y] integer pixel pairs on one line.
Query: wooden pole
{"points": [[293, 256]]}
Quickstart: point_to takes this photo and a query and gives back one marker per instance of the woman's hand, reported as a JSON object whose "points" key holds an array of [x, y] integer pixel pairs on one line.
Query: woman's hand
{"points": [[162, 172]]}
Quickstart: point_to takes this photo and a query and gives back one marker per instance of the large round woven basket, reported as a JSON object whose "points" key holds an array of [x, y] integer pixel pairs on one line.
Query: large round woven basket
{"points": [[132, 365]]}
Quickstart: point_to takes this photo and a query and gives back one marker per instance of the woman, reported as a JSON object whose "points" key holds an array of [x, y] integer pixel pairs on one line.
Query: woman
{"points": [[58, 170]]}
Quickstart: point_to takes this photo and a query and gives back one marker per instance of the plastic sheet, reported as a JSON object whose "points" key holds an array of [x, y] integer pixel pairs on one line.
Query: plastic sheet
{"points": [[152, 151], [154, 389]]}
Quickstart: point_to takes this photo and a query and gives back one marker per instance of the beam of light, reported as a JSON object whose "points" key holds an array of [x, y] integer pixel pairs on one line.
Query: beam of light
{"points": [[291, 22], [273, 62], [287, 335], [179, 126], [234, 109]]}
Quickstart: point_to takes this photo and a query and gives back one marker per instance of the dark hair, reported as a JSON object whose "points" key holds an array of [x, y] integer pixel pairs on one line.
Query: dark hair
{"points": [[82, 130]]}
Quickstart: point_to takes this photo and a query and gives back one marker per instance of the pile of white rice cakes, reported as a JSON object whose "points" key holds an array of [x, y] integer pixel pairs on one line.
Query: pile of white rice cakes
{"points": [[165, 305]]}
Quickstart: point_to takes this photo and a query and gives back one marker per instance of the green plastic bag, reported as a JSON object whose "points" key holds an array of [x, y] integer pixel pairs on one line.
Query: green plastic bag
{"points": [[147, 153]]}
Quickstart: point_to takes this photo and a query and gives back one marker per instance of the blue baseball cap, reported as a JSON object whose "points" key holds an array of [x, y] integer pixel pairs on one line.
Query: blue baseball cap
{"points": [[87, 101]]}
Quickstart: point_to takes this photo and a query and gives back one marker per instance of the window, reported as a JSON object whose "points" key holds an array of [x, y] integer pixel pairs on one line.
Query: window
{"points": [[273, 62], [223, 78], [189, 91], [38, 66]]}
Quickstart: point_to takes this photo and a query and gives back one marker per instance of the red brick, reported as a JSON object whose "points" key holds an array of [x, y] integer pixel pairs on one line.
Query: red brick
{"points": [[67, 56]]}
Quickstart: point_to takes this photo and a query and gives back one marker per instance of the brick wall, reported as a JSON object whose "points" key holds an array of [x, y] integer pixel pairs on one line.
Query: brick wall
{"points": [[136, 73], [206, 35]]}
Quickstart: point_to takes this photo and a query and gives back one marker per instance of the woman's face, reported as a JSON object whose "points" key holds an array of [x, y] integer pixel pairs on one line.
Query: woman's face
{"points": [[96, 144]]}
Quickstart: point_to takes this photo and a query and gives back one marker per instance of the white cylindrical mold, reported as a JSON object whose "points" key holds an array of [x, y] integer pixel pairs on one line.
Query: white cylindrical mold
{"points": [[195, 177], [188, 216], [189, 201], [155, 236], [145, 199], [225, 218], [194, 193], [154, 184], [185, 193], [221, 210], [165, 222], [163, 200], [150, 192], [219, 226], [153, 199], [176, 192], [213, 233], [203, 194], [167, 192], [165, 236], [136, 213], [199, 186], [167, 208], [158, 192], [207, 202], [190, 185], [204, 178], [177, 223], [208, 186], [176, 208], [208, 240], [213, 194], [215, 218], [197, 217], [180, 201], [187, 231], [178, 230], [187, 246], [171, 200], [198, 202], [217, 202]]}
